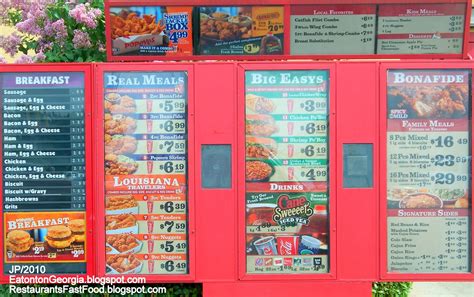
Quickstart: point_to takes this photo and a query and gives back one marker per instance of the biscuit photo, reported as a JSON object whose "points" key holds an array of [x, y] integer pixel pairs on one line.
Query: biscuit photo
{"points": [[19, 241], [59, 237], [78, 229]]}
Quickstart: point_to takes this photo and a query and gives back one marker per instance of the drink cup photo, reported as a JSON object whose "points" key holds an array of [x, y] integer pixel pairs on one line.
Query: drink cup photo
{"points": [[291, 127], [150, 224], [149, 146], [151, 246], [149, 105], [149, 166], [291, 173], [287, 245], [290, 105], [149, 126], [291, 150], [266, 246], [150, 205], [151, 265], [309, 245]]}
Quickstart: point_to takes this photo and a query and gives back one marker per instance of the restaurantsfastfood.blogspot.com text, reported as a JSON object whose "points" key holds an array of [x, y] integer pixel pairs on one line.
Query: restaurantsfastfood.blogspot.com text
{"points": [[87, 289], [73, 280]]}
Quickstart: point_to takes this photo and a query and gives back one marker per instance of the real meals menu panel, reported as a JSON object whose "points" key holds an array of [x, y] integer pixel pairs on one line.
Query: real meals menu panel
{"points": [[145, 126], [44, 195], [286, 172], [428, 171]]}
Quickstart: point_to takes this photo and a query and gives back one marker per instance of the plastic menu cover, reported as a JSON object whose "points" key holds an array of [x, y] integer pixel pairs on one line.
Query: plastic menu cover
{"points": [[428, 171], [241, 30], [287, 171], [145, 126], [44, 174], [426, 28], [332, 29], [151, 30]]}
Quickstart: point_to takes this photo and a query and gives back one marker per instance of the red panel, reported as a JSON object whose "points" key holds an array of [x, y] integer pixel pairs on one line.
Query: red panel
{"points": [[99, 168], [215, 90], [286, 288], [241, 168], [88, 79], [357, 107], [384, 275]]}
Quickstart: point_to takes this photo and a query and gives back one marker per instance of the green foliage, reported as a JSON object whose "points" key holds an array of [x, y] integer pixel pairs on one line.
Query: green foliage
{"points": [[391, 289]]}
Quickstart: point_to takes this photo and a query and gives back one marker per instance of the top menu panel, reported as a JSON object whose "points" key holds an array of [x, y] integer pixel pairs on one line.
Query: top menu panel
{"points": [[283, 30]]}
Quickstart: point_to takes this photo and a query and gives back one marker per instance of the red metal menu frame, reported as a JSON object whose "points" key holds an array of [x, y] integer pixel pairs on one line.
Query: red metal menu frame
{"points": [[100, 69], [384, 275], [88, 79], [286, 49], [331, 68]]}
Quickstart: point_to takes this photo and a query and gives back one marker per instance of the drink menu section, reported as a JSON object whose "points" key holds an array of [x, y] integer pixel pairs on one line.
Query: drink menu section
{"points": [[287, 171], [428, 171], [420, 28], [44, 176], [333, 29], [145, 126]]}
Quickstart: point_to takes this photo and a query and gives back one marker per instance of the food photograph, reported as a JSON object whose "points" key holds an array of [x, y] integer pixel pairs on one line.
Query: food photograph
{"points": [[428, 199], [151, 30], [53, 237], [241, 30], [428, 102], [122, 223], [116, 103], [120, 204]]}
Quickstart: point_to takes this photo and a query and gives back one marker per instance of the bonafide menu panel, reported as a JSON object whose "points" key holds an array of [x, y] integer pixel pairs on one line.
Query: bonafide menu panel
{"points": [[44, 176], [333, 29], [428, 171], [145, 126], [420, 28], [287, 171]]}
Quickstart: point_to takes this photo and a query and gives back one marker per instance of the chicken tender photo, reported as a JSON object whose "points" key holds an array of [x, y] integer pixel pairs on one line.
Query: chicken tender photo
{"points": [[115, 103], [119, 124], [127, 24], [120, 144]]}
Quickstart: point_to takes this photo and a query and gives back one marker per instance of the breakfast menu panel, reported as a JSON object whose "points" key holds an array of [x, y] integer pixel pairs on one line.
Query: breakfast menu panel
{"points": [[420, 28], [44, 176], [286, 172], [428, 171], [145, 166]]}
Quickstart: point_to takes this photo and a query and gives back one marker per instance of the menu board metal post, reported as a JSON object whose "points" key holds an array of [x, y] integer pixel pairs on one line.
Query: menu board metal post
{"points": [[443, 216], [167, 252], [47, 104]]}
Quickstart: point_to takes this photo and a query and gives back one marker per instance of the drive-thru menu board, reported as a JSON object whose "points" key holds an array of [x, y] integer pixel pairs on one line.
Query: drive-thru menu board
{"points": [[145, 126], [428, 171], [286, 171], [44, 196], [333, 29], [420, 28]]}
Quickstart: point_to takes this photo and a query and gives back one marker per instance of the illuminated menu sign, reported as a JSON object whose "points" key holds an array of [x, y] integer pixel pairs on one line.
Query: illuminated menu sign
{"points": [[428, 171], [333, 29], [420, 28], [286, 172], [43, 163], [145, 134]]}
